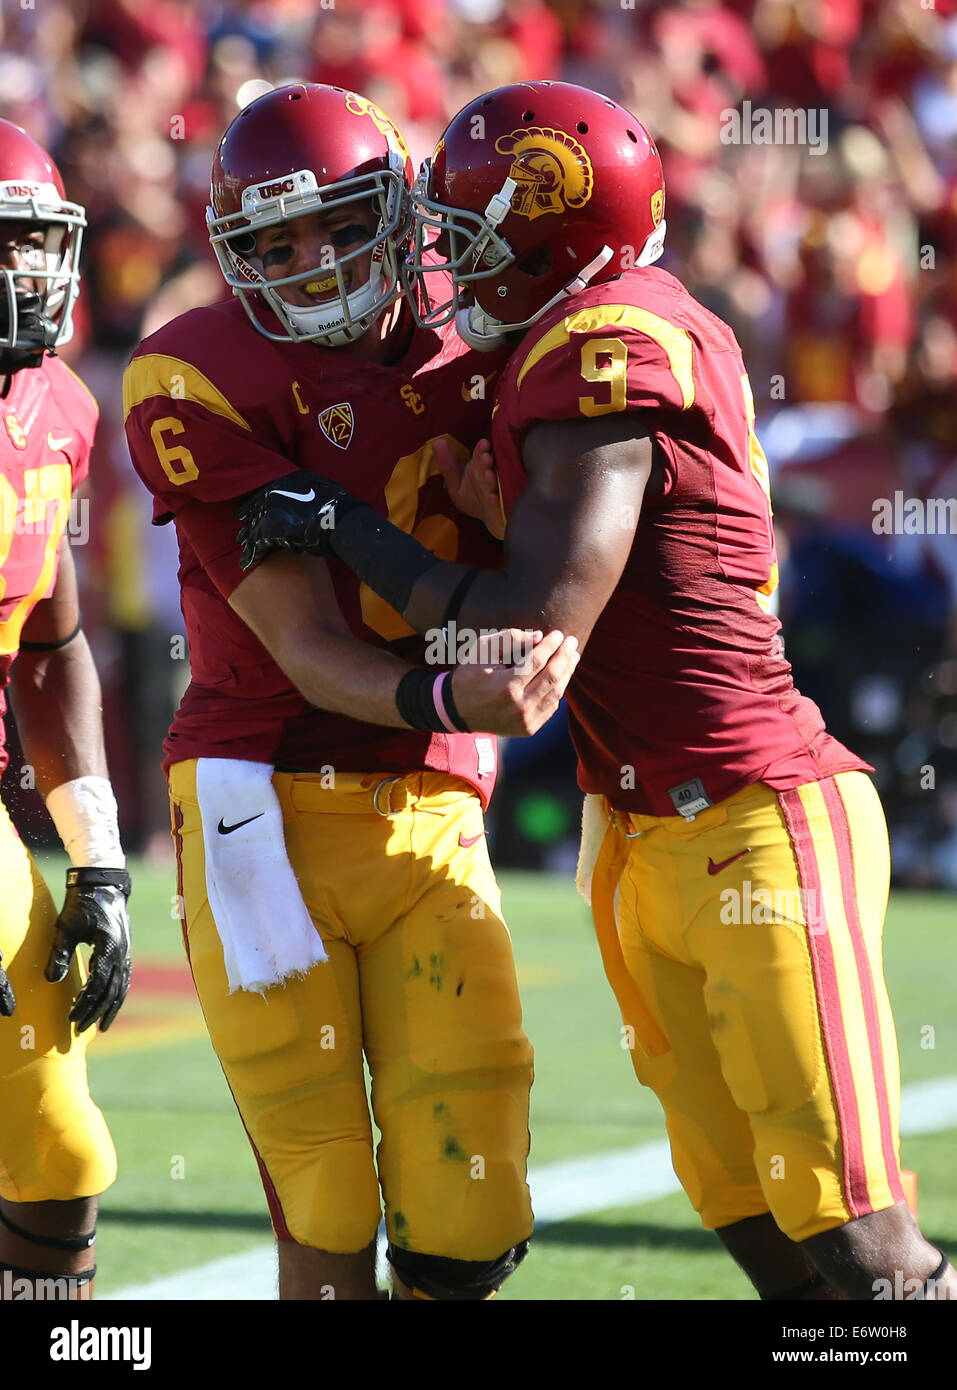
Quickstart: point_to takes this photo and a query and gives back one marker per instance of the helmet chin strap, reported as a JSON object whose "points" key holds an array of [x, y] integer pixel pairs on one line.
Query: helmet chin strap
{"points": [[363, 305], [33, 333], [477, 330], [654, 245], [484, 333]]}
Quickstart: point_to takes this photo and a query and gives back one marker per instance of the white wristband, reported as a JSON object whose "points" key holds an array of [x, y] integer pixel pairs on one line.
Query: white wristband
{"points": [[84, 813]]}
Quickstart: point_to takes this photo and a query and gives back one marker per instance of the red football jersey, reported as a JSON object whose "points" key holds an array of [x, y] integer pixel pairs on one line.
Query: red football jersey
{"points": [[683, 694], [48, 420], [215, 410]]}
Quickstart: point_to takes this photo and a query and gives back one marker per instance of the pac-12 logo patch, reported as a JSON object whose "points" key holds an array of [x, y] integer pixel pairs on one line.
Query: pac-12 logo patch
{"points": [[657, 205], [337, 423], [552, 170]]}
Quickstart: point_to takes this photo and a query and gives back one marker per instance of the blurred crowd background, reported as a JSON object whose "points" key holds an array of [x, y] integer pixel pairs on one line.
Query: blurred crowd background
{"points": [[836, 266]]}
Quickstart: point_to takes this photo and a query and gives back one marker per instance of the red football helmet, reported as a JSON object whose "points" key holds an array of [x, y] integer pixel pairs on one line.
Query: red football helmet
{"points": [[535, 191], [301, 149], [37, 298]]}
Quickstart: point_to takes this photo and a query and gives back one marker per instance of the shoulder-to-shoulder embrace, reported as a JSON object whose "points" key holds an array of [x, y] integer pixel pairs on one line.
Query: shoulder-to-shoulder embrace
{"points": [[404, 356]]}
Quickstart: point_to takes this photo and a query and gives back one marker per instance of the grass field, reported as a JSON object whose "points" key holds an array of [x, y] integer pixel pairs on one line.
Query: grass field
{"points": [[188, 1190]]}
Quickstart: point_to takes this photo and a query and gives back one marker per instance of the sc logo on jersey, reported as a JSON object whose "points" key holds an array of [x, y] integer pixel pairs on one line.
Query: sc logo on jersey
{"points": [[412, 399], [552, 170], [337, 423], [15, 430]]}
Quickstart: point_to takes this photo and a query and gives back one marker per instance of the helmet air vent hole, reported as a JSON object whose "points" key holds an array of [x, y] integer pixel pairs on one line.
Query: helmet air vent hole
{"points": [[582, 127], [487, 101], [528, 115], [632, 136]]}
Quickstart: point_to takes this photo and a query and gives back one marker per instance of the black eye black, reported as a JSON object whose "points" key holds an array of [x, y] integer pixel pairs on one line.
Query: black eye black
{"points": [[345, 236], [277, 255]]}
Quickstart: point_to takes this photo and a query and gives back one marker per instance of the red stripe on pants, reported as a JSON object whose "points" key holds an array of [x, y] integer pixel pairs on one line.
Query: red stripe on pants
{"points": [[841, 831], [829, 1006]]}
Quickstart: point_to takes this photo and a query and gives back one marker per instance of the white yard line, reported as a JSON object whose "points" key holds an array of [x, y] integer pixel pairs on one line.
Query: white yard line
{"points": [[929, 1106], [560, 1191]]}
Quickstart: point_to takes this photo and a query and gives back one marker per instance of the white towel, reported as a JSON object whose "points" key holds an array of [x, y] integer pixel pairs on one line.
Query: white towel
{"points": [[595, 820], [263, 923]]}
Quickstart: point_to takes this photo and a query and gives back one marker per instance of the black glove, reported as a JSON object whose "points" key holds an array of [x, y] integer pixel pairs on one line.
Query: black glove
{"points": [[297, 512], [7, 1001], [94, 912]]}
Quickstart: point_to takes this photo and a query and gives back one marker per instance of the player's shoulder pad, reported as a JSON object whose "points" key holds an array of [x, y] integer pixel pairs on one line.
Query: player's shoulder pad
{"points": [[624, 344], [208, 357]]}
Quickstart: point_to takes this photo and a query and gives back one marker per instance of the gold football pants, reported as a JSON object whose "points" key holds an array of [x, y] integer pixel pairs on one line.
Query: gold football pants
{"points": [[54, 1143], [420, 978], [747, 965]]}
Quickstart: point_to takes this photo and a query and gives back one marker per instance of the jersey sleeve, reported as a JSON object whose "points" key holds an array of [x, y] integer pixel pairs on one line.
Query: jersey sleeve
{"points": [[211, 530], [188, 441], [603, 359]]}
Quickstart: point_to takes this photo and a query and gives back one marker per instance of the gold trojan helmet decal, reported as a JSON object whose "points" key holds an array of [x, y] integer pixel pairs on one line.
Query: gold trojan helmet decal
{"points": [[552, 170], [362, 106]]}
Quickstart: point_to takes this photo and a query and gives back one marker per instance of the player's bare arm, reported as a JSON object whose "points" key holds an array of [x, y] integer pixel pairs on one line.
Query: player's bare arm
{"points": [[289, 603], [56, 697], [56, 689], [567, 543], [568, 537]]}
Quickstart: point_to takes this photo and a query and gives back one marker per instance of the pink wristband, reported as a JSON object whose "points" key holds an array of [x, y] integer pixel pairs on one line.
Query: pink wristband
{"points": [[439, 703]]}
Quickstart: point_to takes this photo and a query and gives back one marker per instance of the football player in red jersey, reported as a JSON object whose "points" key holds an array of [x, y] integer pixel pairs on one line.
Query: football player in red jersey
{"points": [[747, 845], [56, 1154], [312, 734]]}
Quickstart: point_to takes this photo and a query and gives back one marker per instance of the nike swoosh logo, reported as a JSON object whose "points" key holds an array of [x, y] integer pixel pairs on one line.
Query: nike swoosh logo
{"points": [[714, 868], [467, 841], [225, 829], [297, 496], [467, 390], [58, 441]]}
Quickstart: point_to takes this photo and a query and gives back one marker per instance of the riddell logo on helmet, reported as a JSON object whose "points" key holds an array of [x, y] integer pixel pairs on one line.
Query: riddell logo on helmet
{"points": [[246, 272], [275, 190], [552, 171]]}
